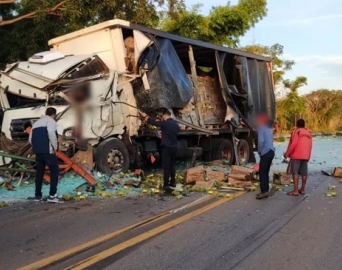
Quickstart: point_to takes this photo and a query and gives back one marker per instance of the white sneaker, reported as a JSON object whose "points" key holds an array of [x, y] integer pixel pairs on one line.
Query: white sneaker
{"points": [[55, 199]]}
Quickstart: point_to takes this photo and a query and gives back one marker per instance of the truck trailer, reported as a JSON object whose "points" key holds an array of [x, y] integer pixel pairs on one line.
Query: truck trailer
{"points": [[100, 77]]}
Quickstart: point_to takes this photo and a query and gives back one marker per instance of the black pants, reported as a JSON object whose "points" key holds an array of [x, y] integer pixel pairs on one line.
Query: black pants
{"points": [[264, 170], [51, 161], [169, 159]]}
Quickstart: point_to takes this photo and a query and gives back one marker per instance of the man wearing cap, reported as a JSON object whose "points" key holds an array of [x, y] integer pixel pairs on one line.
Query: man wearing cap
{"points": [[169, 129], [266, 153]]}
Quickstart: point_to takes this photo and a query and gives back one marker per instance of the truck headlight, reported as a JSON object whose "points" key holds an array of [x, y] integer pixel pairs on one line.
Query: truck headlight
{"points": [[69, 133]]}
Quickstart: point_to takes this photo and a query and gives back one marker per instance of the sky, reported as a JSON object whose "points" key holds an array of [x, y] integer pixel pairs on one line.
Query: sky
{"points": [[311, 33]]}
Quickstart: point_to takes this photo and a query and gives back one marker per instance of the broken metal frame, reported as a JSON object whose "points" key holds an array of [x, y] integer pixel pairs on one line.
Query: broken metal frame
{"points": [[195, 82], [68, 165]]}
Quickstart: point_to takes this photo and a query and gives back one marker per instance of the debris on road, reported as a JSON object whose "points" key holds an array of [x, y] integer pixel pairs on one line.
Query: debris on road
{"points": [[331, 187], [281, 178], [3, 204], [337, 172]]}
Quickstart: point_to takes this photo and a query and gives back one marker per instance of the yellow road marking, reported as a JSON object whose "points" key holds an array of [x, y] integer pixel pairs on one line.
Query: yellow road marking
{"points": [[92, 243], [75, 250], [142, 237]]}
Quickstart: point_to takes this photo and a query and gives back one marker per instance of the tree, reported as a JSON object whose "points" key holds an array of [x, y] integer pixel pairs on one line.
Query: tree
{"points": [[2, 2], [223, 26], [324, 110], [174, 8], [28, 24], [87, 11], [292, 104], [276, 51], [296, 83]]}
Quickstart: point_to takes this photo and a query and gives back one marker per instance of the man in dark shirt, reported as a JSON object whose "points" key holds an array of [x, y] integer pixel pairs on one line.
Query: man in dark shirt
{"points": [[169, 129]]}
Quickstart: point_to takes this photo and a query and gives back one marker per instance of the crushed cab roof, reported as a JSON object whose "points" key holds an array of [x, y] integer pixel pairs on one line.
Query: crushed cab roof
{"points": [[50, 71]]}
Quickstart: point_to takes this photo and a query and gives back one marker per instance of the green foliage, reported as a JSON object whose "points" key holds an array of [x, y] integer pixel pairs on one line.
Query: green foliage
{"points": [[223, 26], [276, 51], [295, 84], [29, 24], [280, 139], [324, 111], [37, 21], [291, 104], [321, 109]]}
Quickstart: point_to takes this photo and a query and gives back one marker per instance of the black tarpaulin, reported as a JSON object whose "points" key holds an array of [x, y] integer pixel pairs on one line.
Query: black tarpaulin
{"points": [[170, 86]]}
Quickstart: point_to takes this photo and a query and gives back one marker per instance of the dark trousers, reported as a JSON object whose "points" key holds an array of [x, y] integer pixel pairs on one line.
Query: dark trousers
{"points": [[169, 159], [42, 161], [264, 170]]}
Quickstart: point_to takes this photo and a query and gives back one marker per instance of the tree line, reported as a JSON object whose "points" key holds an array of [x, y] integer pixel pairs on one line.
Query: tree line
{"points": [[321, 109], [27, 25]]}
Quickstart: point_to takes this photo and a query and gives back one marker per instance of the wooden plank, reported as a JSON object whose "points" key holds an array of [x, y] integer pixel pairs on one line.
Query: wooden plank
{"points": [[195, 81], [232, 188], [236, 182], [281, 178], [204, 184], [84, 158], [337, 172], [241, 170], [217, 176], [238, 176], [194, 174]]}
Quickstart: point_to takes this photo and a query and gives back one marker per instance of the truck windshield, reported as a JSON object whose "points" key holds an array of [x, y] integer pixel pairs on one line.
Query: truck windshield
{"points": [[92, 66]]}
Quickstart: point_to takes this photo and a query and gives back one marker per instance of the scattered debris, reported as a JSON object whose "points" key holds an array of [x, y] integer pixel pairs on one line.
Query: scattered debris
{"points": [[326, 173], [281, 178], [3, 204], [331, 194], [217, 175], [194, 174], [200, 185], [337, 172], [331, 187]]}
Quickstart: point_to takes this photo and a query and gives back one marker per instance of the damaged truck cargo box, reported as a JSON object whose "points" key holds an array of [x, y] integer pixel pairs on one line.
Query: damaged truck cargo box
{"points": [[169, 83]]}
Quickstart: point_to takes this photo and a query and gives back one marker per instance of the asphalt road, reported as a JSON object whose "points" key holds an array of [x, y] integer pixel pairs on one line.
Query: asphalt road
{"points": [[281, 232]]}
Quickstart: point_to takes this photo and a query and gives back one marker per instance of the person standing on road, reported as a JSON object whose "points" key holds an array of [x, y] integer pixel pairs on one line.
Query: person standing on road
{"points": [[169, 129], [266, 153], [299, 152], [43, 138]]}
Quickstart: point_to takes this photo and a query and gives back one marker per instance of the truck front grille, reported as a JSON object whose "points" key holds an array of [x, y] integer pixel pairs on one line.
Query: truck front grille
{"points": [[17, 128]]}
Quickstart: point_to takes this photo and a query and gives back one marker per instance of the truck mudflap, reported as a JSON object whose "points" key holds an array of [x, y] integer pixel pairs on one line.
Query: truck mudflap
{"points": [[170, 86]]}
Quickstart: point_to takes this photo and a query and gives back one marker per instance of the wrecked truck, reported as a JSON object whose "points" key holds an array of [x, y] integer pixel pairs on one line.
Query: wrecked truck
{"points": [[98, 79]]}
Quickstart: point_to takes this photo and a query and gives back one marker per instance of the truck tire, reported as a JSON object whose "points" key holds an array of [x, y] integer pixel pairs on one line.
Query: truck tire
{"points": [[112, 156], [223, 150], [243, 152]]}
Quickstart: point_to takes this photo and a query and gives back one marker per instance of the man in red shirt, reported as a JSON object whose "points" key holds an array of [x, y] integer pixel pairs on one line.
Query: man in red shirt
{"points": [[299, 151]]}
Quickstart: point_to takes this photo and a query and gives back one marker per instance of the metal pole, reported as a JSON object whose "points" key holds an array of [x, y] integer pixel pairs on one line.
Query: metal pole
{"points": [[3, 154]]}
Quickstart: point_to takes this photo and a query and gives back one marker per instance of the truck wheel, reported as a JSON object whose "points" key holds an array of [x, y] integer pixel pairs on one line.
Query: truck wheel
{"points": [[243, 152], [223, 150], [111, 156]]}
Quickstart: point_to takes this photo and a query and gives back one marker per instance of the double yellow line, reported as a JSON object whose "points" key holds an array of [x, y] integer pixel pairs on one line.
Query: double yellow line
{"points": [[120, 247]]}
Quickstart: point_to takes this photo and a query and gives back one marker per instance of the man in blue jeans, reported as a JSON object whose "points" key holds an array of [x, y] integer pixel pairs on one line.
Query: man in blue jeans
{"points": [[266, 152], [43, 138]]}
